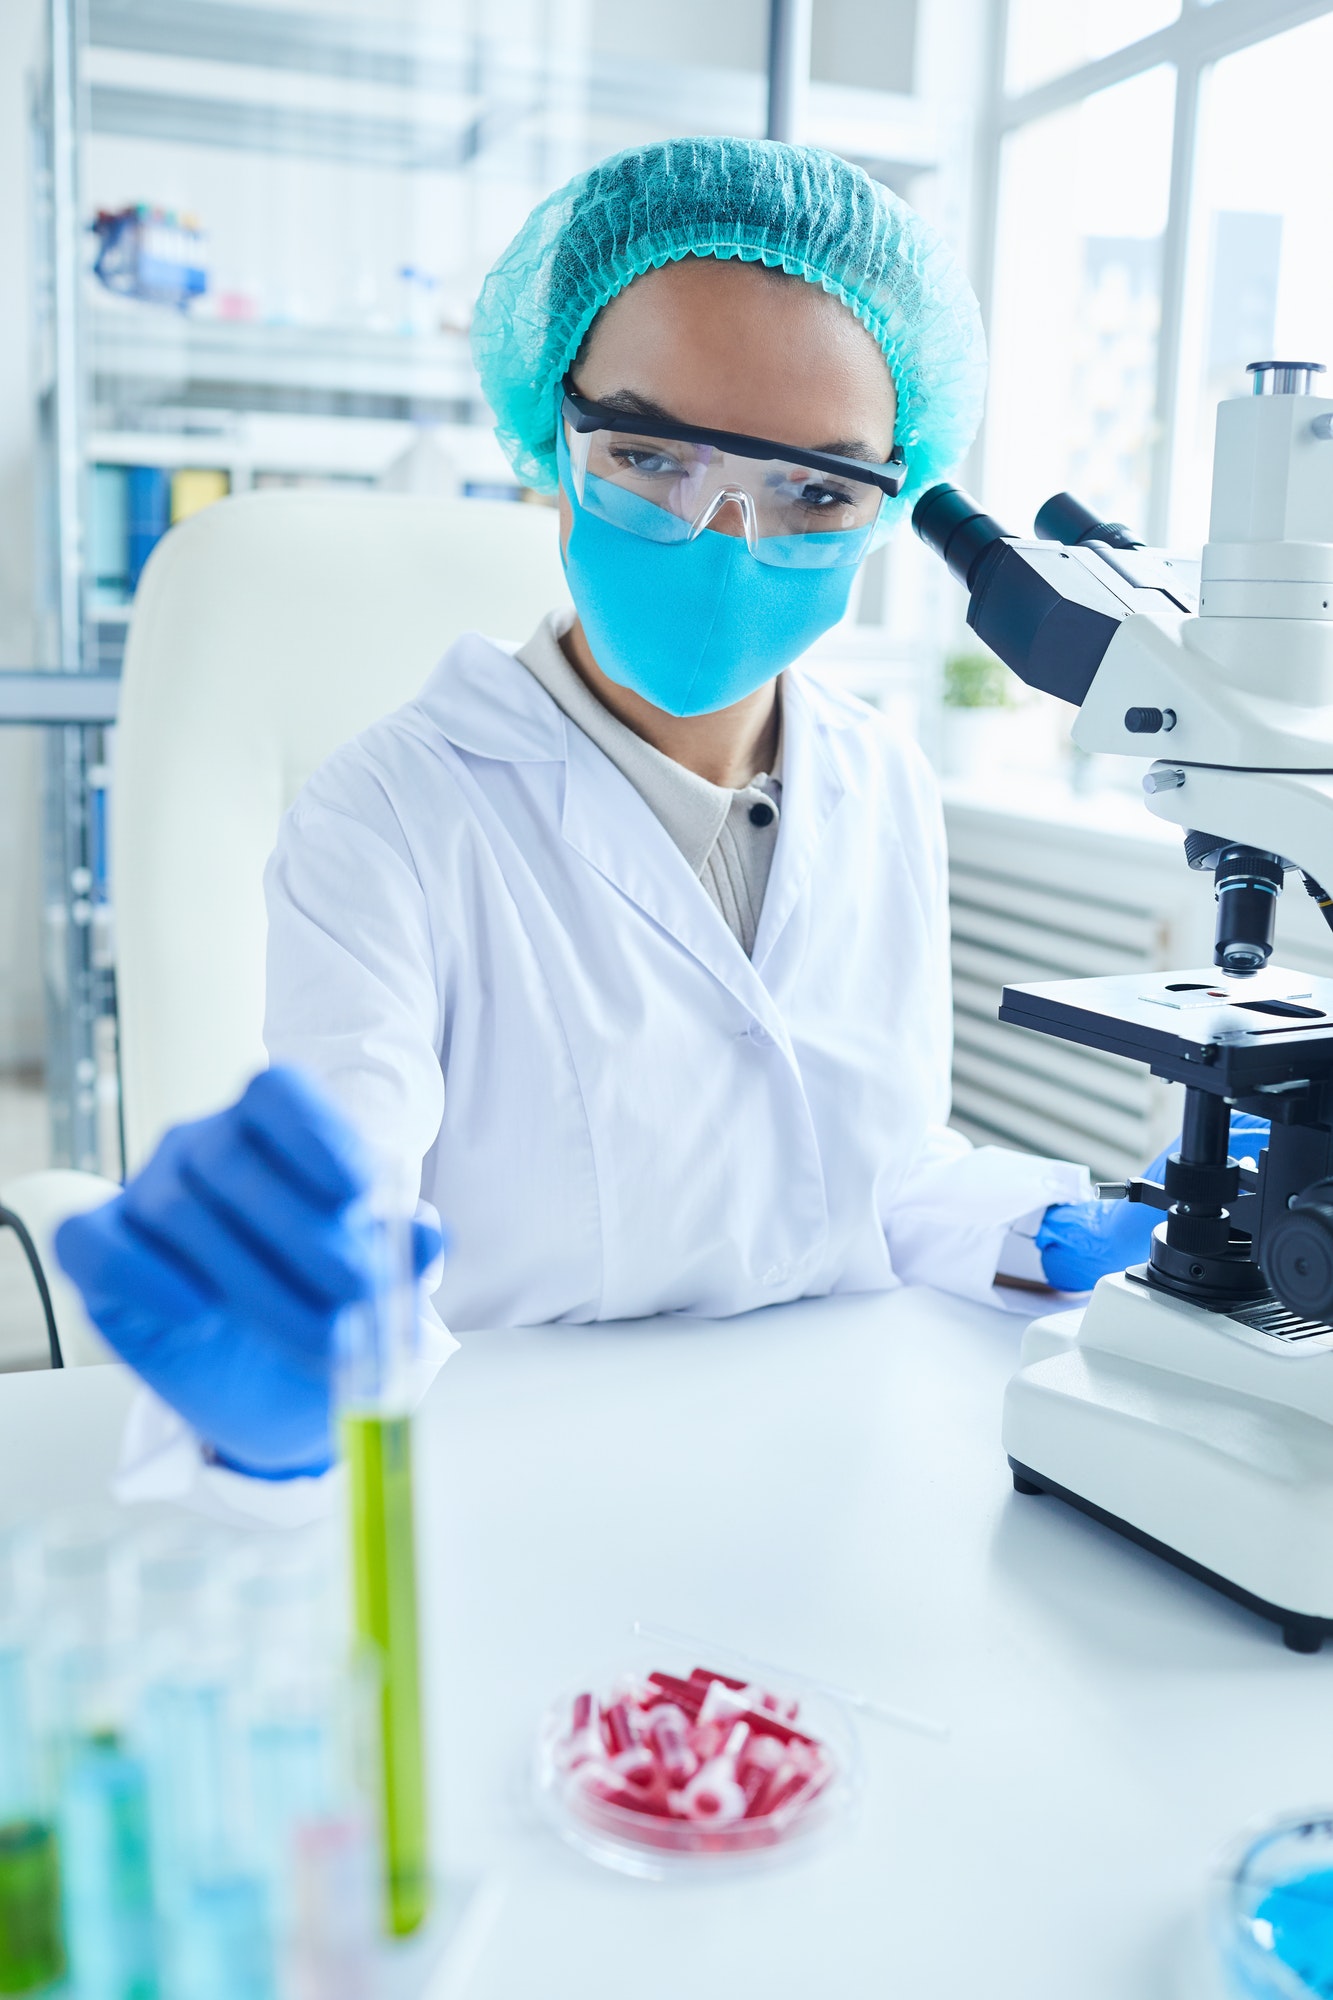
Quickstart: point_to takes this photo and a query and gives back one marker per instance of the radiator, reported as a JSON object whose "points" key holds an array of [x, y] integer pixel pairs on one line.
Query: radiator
{"points": [[1074, 888]]}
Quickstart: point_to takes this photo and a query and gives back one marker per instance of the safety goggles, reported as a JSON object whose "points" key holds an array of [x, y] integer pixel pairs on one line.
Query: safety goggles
{"points": [[669, 481]]}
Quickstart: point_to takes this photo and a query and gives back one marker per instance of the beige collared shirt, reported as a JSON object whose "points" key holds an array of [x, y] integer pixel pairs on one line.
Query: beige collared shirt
{"points": [[727, 837]]}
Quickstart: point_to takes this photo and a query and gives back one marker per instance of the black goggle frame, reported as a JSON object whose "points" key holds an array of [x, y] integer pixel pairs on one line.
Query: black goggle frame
{"points": [[584, 415]]}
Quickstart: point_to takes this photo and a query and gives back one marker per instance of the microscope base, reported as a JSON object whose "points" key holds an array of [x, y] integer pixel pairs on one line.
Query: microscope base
{"points": [[1300, 1634], [1202, 1438]]}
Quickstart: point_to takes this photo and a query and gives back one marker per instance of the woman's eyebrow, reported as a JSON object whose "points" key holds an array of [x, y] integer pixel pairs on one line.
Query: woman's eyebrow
{"points": [[850, 448], [631, 404]]}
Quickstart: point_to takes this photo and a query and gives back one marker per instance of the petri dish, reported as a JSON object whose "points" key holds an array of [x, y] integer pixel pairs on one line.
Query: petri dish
{"points": [[657, 1845], [1272, 1910]]}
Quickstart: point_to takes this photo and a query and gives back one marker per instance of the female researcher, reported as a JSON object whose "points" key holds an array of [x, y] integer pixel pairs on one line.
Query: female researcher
{"points": [[627, 951]]}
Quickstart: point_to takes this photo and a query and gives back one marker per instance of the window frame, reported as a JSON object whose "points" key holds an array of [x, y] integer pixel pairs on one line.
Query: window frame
{"points": [[1204, 32]]}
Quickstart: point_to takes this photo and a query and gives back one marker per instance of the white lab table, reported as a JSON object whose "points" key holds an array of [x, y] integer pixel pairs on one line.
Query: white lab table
{"points": [[821, 1485]]}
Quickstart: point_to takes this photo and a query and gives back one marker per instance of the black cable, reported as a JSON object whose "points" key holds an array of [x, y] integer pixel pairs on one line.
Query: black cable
{"points": [[1321, 898], [8, 1220]]}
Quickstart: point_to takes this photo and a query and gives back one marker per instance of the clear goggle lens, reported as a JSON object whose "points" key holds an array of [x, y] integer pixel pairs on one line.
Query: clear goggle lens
{"points": [[670, 490]]}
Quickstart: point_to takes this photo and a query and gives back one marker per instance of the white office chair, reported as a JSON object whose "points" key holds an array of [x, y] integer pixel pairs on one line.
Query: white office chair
{"points": [[267, 630]]}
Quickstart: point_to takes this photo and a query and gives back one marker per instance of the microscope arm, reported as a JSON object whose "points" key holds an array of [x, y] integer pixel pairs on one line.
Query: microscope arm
{"points": [[1244, 704]]}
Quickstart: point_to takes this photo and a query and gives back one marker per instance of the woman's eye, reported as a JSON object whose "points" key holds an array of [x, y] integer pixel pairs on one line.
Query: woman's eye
{"points": [[820, 497], [647, 463]]}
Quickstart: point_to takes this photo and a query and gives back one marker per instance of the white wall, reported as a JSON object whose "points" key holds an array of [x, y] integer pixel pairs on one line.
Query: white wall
{"points": [[20, 982]]}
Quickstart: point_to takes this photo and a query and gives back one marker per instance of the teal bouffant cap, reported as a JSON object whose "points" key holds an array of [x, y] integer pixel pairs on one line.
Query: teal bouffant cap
{"points": [[795, 208]]}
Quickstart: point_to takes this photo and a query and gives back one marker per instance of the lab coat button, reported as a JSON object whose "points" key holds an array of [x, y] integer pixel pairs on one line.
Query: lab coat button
{"points": [[758, 1033], [776, 1274]]}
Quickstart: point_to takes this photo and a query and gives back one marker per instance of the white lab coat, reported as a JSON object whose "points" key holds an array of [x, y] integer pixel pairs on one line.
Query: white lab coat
{"points": [[488, 947], [492, 953]]}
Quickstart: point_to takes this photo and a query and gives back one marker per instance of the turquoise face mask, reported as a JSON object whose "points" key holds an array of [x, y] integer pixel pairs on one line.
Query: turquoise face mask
{"points": [[693, 626]]}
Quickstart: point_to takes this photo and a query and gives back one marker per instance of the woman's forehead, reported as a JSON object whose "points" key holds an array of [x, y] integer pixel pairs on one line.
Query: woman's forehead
{"points": [[739, 347]]}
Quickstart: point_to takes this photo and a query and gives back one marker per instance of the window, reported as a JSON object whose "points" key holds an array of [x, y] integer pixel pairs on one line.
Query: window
{"points": [[1077, 302], [1159, 176], [1047, 37], [1260, 281]]}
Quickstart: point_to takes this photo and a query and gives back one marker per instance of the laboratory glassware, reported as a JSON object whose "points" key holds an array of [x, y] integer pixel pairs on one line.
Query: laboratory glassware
{"points": [[32, 1951], [378, 1343], [1272, 1909], [96, 1775]]}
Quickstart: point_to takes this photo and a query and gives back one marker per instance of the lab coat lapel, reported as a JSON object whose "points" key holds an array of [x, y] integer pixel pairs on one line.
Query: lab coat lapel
{"points": [[491, 706], [487, 703], [606, 821], [812, 787]]}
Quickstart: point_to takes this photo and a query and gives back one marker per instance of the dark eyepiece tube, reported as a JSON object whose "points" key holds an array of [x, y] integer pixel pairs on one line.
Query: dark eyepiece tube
{"points": [[1065, 519], [951, 523]]}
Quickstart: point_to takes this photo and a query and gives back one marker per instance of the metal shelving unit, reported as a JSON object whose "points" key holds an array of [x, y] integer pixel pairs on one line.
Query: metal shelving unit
{"points": [[128, 383]]}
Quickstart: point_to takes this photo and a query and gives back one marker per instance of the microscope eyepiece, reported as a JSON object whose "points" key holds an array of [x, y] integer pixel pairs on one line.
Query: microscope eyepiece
{"points": [[958, 529], [1037, 620], [1065, 519]]}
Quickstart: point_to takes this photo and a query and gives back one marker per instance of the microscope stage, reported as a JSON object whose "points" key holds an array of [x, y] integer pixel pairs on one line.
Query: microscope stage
{"points": [[1228, 1036]]}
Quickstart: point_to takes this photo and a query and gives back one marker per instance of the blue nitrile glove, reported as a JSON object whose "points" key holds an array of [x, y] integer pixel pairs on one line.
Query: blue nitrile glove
{"points": [[1080, 1241], [220, 1272]]}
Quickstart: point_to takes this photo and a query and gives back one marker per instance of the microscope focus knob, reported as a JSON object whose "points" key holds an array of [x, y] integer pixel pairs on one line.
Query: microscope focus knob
{"points": [[1298, 1253], [1147, 721]]}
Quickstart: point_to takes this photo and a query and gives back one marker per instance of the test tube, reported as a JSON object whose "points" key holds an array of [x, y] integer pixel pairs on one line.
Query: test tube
{"points": [[314, 1832], [378, 1344], [213, 1897], [32, 1952], [110, 1922], [311, 1730], [80, 1630], [97, 1776], [225, 1946], [335, 1920], [291, 1700]]}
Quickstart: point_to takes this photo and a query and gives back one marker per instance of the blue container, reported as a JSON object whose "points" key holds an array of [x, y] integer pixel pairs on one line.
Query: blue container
{"points": [[149, 511]]}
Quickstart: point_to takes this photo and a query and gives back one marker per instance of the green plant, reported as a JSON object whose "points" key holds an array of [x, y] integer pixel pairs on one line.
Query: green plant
{"points": [[977, 680]]}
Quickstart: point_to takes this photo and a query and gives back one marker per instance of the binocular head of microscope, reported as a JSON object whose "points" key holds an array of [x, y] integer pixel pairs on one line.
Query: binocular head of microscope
{"points": [[1228, 661]]}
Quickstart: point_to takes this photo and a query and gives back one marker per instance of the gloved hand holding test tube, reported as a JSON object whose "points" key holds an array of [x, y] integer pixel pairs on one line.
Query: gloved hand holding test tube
{"points": [[222, 1270]]}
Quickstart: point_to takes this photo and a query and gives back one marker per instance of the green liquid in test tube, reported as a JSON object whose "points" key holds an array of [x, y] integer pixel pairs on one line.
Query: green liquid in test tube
{"points": [[32, 1952], [376, 1428]]}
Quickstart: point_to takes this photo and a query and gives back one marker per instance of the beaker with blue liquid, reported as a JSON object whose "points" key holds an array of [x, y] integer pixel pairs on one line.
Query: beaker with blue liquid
{"points": [[1272, 1911]]}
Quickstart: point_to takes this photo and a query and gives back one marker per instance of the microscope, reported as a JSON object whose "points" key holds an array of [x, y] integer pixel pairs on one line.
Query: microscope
{"points": [[1189, 1403]]}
